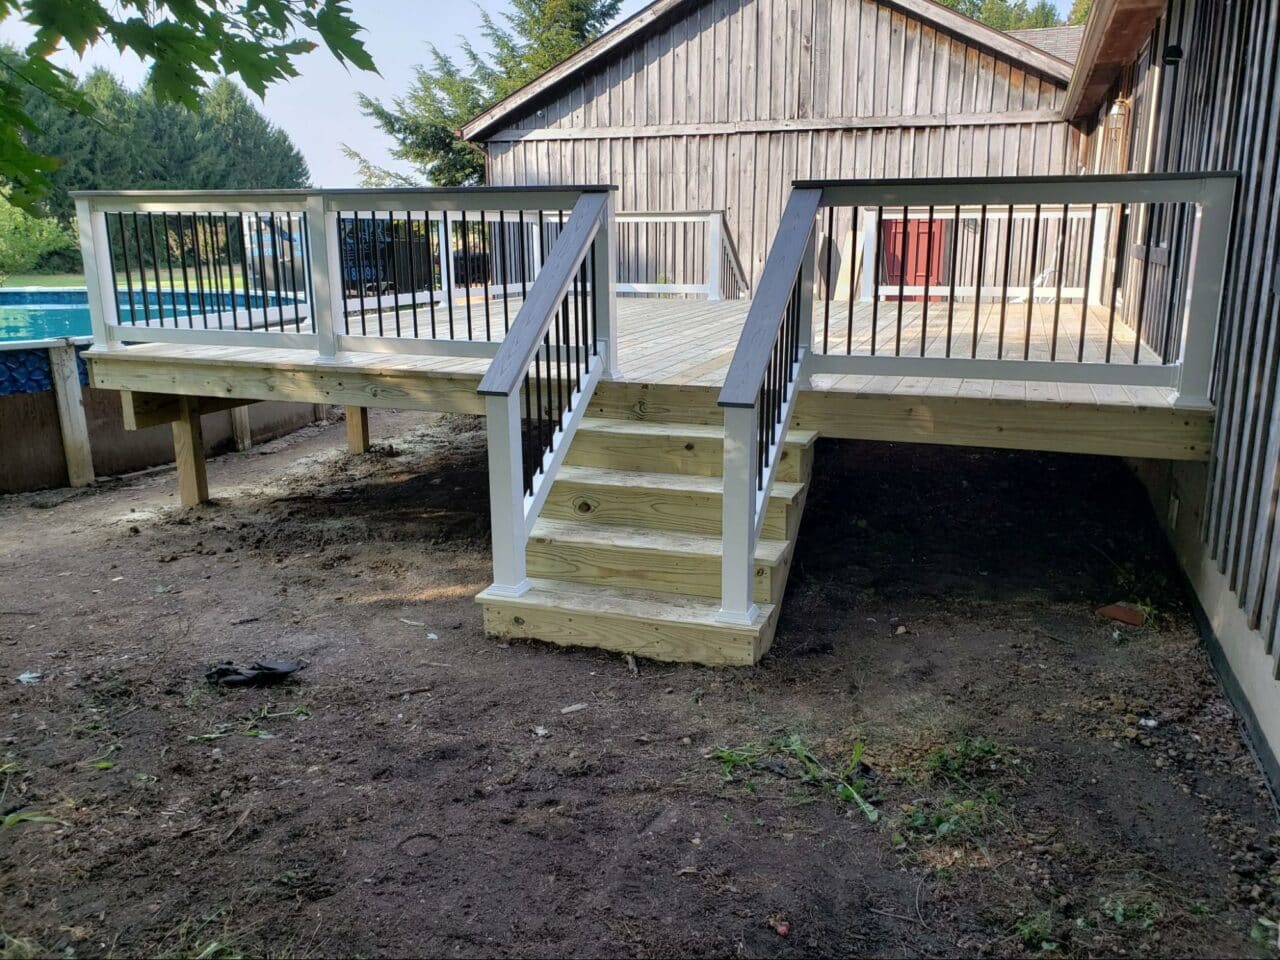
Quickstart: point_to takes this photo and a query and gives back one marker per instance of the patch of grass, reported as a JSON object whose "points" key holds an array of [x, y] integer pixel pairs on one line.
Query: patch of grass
{"points": [[948, 819], [792, 759], [966, 759], [1036, 931], [1133, 909], [43, 280]]}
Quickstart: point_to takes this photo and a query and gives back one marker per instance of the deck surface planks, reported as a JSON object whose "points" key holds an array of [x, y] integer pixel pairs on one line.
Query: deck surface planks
{"points": [[688, 342]]}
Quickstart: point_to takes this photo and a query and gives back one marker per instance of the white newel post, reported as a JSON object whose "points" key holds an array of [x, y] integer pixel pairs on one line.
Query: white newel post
{"points": [[506, 494], [326, 273], [715, 257], [737, 572], [869, 240], [1209, 259], [100, 282], [605, 270], [1098, 255]]}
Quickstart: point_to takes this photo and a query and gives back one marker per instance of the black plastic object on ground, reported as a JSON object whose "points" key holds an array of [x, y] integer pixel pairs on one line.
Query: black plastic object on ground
{"points": [[260, 673]]}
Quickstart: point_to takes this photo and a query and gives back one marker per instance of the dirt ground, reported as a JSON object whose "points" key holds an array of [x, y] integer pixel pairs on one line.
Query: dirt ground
{"points": [[1042, 781]]}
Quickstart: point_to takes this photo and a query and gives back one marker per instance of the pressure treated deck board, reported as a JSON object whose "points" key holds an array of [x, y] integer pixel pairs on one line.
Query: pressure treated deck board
{"points": [[673, 355]]}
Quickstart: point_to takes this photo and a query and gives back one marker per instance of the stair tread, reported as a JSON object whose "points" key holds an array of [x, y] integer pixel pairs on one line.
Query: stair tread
{"points": [[650, 428], [646, 538], [683, 483], [625, 601]]}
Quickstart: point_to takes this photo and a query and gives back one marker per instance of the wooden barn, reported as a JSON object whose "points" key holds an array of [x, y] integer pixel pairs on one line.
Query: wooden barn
{"points": [[698, 105]]}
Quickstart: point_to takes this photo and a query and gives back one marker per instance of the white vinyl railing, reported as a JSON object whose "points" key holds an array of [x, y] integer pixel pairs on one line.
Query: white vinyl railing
{"points": [[969, 278], [431, 271], [689, 253], [562, 342]]}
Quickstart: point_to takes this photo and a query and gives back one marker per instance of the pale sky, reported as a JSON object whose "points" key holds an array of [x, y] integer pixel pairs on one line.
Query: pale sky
{"points": [[318, 109]]}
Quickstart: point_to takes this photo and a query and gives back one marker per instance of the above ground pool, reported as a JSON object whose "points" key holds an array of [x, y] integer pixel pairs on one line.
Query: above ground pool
{"points": [[43, 314], [36, 313]]}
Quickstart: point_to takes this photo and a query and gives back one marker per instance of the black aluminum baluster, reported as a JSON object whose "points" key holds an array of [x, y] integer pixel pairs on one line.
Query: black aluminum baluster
{"points": [[1004, 293], [826, 316], [951, 295], [128, 275], [875, 285], [142, 272], [1031, 284], [466, 272], [928, 270], [1062, 253], [902, 279], [982, 270], [1088, 274]]}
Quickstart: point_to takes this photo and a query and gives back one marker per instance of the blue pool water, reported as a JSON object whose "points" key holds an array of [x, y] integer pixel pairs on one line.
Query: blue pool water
{"points": [[42, 314], [27, 314]]}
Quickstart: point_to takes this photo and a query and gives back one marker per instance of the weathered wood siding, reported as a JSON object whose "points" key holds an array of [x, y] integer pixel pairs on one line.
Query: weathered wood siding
{"points": [[1219, 109], [724, 107]]}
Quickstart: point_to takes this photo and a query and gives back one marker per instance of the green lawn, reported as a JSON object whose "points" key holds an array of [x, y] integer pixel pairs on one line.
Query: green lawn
{"points": [[44, 280]]}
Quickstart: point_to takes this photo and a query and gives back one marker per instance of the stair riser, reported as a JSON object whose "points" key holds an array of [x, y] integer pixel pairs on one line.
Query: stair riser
{"points": [[655, 509], [657, 403], [684, 456], [690, 575], [678, 642]]}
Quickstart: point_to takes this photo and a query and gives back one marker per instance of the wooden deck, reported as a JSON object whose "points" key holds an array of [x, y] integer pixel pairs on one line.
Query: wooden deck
{"points": [[673, 355]]}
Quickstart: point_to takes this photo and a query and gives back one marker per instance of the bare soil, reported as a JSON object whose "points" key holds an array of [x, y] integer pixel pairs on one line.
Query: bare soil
{"points": [[1045, 782]]}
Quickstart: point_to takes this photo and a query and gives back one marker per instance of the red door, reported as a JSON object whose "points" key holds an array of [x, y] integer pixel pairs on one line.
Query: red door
{"points": [[922, 260]]}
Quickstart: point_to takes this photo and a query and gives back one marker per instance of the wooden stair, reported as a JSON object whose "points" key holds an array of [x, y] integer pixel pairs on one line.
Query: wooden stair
{"points": [[626, 553]]}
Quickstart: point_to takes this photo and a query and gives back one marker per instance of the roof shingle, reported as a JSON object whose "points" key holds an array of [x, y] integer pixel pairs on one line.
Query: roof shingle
{"points": [[1060, 42]]}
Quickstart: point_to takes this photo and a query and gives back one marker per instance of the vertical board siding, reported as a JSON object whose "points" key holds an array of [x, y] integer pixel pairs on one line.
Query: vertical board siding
{"points": [[728, 62], [1219, 109]]}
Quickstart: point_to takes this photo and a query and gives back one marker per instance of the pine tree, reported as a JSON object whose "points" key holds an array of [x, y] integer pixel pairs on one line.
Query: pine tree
{"points": [[1008, 14], [1079, 12], [444, 94]]}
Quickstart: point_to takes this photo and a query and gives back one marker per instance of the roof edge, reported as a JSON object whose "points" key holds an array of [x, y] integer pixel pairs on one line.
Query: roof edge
{"points": [[1103, 47], [935, 14]]}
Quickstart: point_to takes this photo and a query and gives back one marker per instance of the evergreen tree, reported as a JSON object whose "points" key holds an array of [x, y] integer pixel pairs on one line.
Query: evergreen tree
{"points": [[444, 94], [1079, 12], [135, 141], [1008, 14]]}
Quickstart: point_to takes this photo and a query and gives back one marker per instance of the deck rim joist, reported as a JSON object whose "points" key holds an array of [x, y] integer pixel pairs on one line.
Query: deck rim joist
{"points": [[868, 408]]}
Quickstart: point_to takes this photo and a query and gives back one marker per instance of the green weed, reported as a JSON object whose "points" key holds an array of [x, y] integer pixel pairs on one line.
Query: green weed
{"points": [[30, 816], [1036, 931], [966, 759], [948, 819], [1138, 909], [792, 759], [248, 726]]}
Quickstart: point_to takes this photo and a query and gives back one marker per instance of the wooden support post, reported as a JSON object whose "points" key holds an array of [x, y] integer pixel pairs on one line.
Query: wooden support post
{"points": [[358, 429], [188, 454], [75, 430], [241, 430]]}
